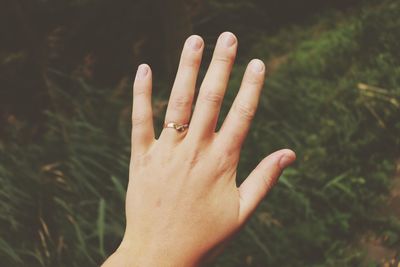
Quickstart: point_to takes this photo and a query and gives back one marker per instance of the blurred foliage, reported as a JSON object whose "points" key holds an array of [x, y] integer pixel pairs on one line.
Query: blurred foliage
{"points": [[104, 40], [323, 101], [332, 95]]}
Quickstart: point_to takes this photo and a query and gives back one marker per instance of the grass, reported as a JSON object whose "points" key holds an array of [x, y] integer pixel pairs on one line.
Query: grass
{"points": [[333, 97]]}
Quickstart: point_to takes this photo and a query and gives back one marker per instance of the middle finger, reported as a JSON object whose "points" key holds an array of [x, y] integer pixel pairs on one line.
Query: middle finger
{"points": [[213, 87]]}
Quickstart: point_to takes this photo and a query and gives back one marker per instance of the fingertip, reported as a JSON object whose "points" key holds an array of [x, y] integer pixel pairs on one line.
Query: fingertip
{"points": [[195, 42], [228, 38], [255, 74], [143, 81], [142, 71], [287, 158], [257, 65]]}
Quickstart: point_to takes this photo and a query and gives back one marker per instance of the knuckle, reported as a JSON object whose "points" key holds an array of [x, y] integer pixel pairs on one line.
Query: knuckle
{"points": [[225, 163], [190, 61], [212, 97], [253, 79], [225, 58], [139, 91], [140, 159], [193, 157], [245, 111], [225, 159], [139, 119], [181, 102]]}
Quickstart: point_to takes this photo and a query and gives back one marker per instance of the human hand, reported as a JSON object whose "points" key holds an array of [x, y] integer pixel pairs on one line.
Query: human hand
{"points": [[182, 199]]}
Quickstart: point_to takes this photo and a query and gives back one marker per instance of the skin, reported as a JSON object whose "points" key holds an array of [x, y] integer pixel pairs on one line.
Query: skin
{"points": [[182, 198]]}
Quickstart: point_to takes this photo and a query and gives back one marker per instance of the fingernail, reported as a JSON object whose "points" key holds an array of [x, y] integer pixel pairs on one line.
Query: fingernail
{"points": [[194, 43], [228, 39], [142, 71], [257, 65], [285, 161]]}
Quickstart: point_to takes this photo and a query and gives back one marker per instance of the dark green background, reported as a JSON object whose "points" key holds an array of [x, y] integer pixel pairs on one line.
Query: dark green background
{"points": [[332, 95]]}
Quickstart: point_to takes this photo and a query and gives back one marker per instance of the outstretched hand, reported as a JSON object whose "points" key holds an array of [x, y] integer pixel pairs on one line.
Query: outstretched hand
{"points": [[182, 199]]}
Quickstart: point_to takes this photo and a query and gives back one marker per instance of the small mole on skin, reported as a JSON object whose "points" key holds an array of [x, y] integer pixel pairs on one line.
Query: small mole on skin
{"points": [[158, 203]]}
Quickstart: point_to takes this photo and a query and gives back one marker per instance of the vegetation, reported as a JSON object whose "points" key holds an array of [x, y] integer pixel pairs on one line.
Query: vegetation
{"points": [[333, 95]]}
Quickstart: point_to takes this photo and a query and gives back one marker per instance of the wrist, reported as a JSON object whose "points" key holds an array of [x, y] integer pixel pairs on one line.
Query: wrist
{"points": [[131, 255]]}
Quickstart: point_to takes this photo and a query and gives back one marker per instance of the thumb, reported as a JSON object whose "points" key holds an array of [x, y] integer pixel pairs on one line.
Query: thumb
{"points": [[261, 180]]}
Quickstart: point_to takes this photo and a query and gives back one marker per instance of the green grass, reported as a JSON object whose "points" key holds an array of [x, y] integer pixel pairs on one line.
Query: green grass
{"points": [[334, 99]]}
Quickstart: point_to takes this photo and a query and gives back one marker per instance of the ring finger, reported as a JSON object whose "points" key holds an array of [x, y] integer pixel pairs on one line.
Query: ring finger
{"points": [[180, 101]]}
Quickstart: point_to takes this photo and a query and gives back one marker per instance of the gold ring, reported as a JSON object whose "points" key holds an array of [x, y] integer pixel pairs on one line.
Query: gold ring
{"points": [[176, 126]]}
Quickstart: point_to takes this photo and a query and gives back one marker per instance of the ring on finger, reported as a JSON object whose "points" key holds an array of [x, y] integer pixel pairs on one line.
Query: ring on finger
{"points": [[177, 126]]}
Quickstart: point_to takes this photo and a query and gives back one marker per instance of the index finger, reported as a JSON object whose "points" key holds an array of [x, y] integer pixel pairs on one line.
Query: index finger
{"points": [[237, 123]]}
